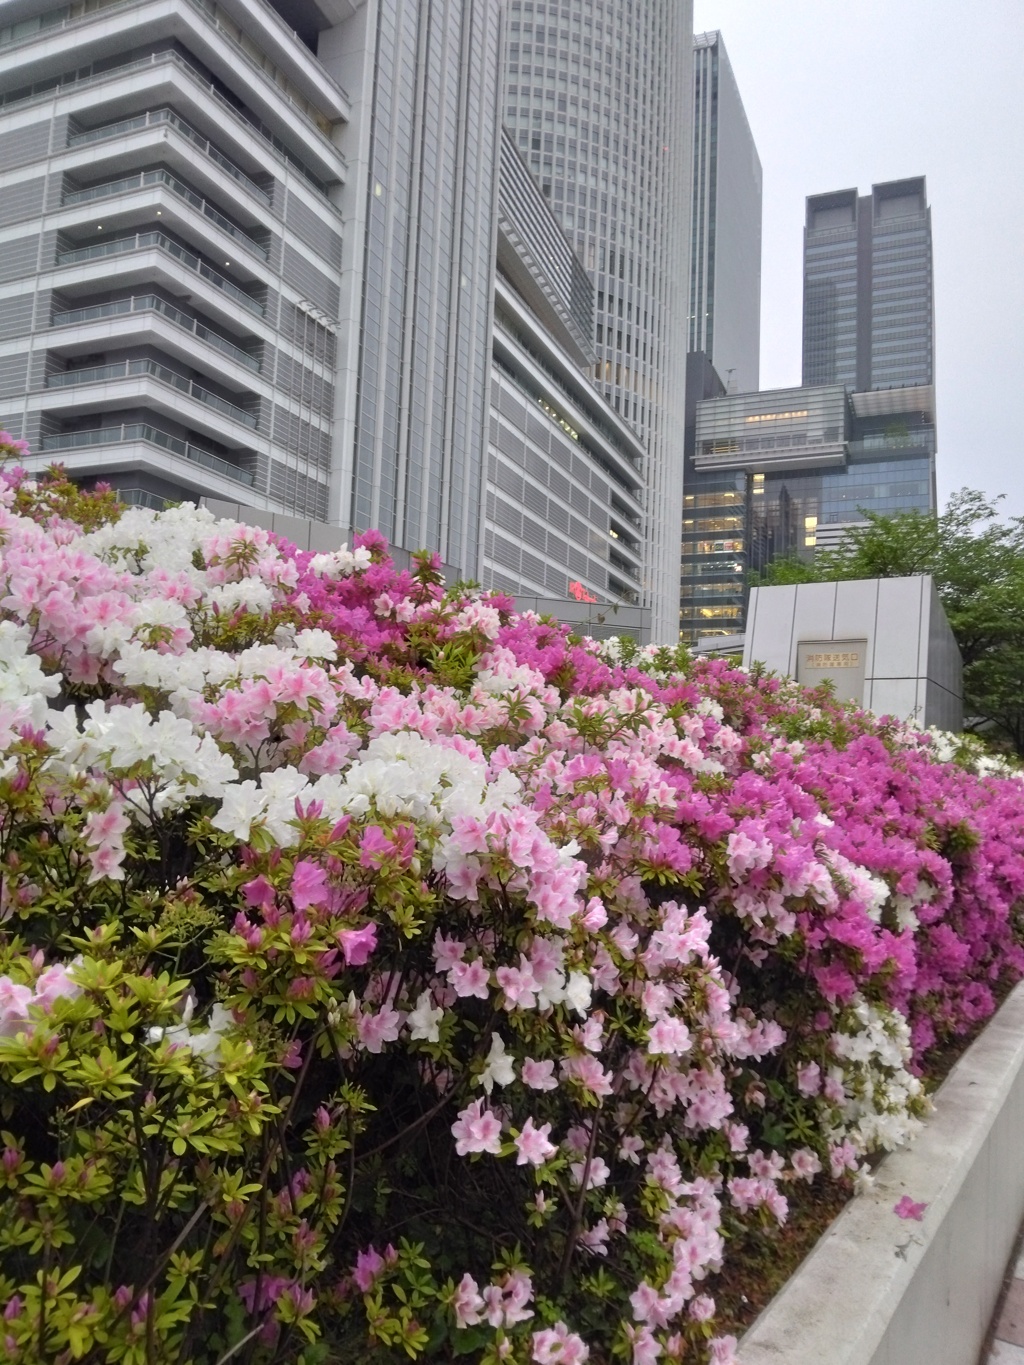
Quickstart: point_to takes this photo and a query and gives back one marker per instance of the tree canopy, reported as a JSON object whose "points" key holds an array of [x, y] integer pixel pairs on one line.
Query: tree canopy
{"points": [[977, 562]]}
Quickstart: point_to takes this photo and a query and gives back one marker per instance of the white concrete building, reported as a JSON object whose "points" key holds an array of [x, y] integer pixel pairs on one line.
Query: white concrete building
{"points": [[564, 471], [598, 98], [225, 273]]}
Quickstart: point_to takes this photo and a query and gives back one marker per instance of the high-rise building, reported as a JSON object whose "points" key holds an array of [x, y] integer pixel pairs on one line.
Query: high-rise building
{"points": [[248, 253], [724, 338], [598, 97], [868, 310], [725, 223], [859, 435], [869, 324], [564, 471], [417, 266]]}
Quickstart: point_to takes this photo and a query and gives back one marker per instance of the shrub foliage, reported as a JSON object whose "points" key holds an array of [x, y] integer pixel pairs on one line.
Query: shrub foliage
{"points": [[386, 975]]}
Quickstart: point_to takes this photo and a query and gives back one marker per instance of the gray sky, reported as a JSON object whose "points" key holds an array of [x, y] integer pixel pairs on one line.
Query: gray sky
{"points": [[843, 93]]}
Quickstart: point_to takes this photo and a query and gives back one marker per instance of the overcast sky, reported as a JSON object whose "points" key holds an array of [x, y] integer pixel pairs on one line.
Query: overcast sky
{"points": [[843, 93]]}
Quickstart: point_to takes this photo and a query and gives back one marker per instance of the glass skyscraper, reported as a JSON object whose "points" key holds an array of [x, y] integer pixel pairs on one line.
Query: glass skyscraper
{"points": [[725, 223], [857, 437], [868, 310], [724, 328], [597, 96], [869, 324]]}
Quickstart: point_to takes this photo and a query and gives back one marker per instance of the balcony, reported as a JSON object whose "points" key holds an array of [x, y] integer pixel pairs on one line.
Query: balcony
{"points": [[623, 565], [141, 431], [920, 442], [145, 241], [145, 303], [305, 68], [85, 76], [127, 369], [167, 118], [160, 177], [53, 19]]}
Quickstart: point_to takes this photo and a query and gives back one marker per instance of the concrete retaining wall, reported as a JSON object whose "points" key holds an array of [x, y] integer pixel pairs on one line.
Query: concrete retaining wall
{"points": [[879, 1290]]}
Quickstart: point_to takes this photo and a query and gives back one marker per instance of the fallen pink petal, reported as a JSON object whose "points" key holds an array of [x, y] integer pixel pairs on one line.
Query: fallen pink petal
{"points": [[906, 1208]]}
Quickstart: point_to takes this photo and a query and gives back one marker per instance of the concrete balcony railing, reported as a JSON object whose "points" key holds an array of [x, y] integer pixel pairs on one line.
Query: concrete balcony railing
{"points": [[145, 303], [81, 12], [144, 241], [84, 78], [127, 369], [145, 179], [141, 431], [167, 118]]}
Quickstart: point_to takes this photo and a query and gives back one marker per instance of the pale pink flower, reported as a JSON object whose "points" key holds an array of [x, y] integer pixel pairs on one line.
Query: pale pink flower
{"points": [[467, 1303], [806, 1164], [533, 1144], [595, 1239], [377, 1029], [469, 979], [630, 1148], [723, 1351], [558, 1346], [668, 1036], [519, 986], [477, 1130], [842, 1158], [808, 1078], [539, 1075], [447, 952], [596, 1172], [357, 945], [14, 1002]]}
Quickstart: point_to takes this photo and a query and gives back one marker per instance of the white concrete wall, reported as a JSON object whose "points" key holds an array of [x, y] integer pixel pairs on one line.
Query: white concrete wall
{"points": [[880, 1290], [913, 666]]}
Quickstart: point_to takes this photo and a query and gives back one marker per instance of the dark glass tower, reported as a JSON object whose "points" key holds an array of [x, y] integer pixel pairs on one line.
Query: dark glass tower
{"points": [[868, 310], [857, 437]]}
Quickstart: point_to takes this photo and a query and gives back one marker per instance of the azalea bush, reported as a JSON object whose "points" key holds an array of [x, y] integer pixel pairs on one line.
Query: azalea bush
{"points": [[388, 975]]}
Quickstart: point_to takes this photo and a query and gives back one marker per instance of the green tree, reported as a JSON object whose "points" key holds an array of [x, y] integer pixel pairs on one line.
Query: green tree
{"points": [[977, 562]]}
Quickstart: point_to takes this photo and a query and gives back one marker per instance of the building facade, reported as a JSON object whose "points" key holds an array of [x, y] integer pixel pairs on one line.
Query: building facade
{"points": [[859, 436], [868, 293], [564, 471], [421, 147], [226, 273], [725, 223], [807, 464], [172, 231], [724, 328], [598, 99]]}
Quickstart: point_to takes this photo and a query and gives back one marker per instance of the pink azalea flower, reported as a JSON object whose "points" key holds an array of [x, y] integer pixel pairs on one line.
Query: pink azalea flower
{"points": [[467, 1303], [477, 1130], [369, 1264], [558, 1346], [539, 1075], [357, 945], [470, 979], [309, 885], [533, 1144]]}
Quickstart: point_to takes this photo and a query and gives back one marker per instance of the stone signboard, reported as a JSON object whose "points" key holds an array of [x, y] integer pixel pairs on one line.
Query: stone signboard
{"points": [[841, 662]]}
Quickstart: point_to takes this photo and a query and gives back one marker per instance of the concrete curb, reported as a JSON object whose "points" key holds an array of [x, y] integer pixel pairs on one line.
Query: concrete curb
{"points": [[878, 1290]]}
